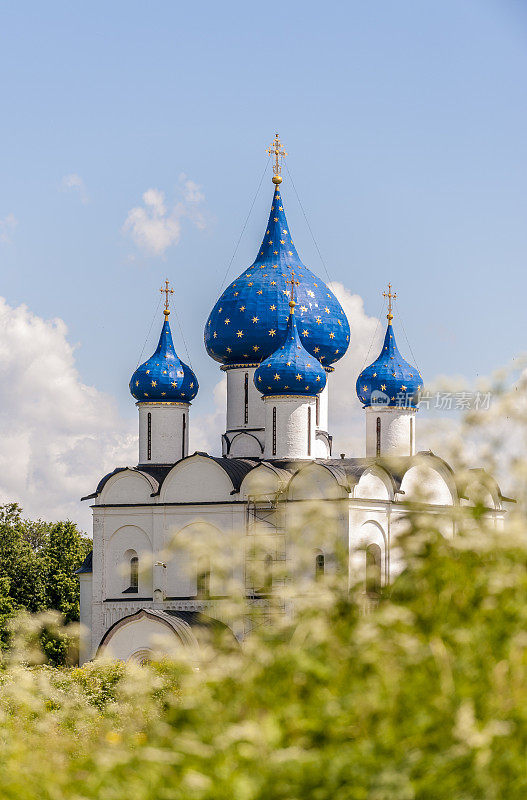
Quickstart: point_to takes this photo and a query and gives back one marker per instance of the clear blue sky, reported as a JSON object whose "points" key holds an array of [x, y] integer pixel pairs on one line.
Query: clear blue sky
{"points": [[406, 125]]}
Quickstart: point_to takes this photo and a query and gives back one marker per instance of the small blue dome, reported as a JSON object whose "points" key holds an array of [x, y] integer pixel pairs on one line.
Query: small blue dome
{"points": [[164, 378], [290, 369], [251, 315], [390, 380]]}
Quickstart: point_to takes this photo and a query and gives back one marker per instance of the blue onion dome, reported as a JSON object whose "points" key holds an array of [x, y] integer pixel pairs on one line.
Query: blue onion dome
{"points": [[290, 369], [252, 314], [390, 380], [164, 378]]}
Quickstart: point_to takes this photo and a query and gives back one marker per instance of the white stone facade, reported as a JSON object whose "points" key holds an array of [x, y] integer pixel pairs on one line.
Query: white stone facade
{"points": [[390, 431], [163, 432]]}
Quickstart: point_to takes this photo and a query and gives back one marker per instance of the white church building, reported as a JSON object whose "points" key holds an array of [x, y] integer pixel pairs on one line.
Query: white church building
{"points": [[278, 332]]}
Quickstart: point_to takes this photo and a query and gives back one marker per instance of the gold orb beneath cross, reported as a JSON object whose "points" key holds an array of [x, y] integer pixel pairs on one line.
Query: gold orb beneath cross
{"points": [[277, 179]]}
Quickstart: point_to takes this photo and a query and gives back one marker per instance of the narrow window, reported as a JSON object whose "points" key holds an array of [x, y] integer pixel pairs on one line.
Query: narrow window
{"points": [[319, 565], [203, 578], [134, 574], [149, 437], [268, 574], [246, 396], [373, 570], [184, 433], [378, 447], [317, 411], [309, 430], [412, 446], [274, 430]]}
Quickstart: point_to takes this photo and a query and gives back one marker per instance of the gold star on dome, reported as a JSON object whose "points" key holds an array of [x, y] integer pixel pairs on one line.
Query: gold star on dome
{"points": [[260, 291], [282, 241], [239, 334], [242, 308], [215, 335], [326, 310], [276, 219], [275, 253], [137, 383], [273, 283], [374, 374], [339, 322], [229, 350], [318, 320], [383, 387], [270, 241], [317, 349], [290, 252], [303, 308], [255, 348], [148, 372], [272, 333], [255, 319], [298, 376], [163, 394], [250, 283], [284, 231], [174, 384], [318, 377], [272, 308], [227, 321], [331, 335], [403, 388], [364, 388], [305, 333], [259, 379], [236, 294], [276, 376], [267, 233]]}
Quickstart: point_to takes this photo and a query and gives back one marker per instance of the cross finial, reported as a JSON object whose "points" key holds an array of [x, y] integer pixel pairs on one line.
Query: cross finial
{"points": [[390, 296], [293, 283], [277, 150], [166, 291]]}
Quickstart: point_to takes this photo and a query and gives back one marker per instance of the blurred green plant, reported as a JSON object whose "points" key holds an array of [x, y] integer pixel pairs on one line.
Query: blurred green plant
{"points": [[424, 697]]}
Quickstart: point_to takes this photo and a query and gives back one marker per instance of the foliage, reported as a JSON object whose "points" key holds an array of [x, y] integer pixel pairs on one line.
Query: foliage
{"points": [[37, 572], [424, 697]]}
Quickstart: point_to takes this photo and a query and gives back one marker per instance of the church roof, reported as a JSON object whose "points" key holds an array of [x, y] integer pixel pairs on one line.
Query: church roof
{"points": [[164, 377], [390, 380], [252, 313], [290, 369]]}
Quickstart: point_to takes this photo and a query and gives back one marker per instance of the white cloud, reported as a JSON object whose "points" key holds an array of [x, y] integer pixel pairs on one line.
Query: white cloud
{"points": [[74, 183], [58, 435], [7, 226], [154, 227], [346, 415]]}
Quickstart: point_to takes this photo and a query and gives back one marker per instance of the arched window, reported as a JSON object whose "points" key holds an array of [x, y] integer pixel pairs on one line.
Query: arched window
{"points": [[373, 570], [246, 398], [134, 574], [149, 437], [203, 578], [378, 431], [320, 565]]}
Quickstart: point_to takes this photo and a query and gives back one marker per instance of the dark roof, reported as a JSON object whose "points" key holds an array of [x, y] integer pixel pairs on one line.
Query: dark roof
{"points": [[87, 564]]}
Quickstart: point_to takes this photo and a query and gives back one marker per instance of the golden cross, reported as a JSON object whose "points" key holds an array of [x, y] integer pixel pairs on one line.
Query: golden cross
{"points": [[293, 283], [277, 150], [166, 292], [390, 296]]}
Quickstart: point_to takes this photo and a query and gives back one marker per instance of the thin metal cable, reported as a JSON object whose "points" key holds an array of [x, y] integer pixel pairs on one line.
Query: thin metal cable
{"points": [[374, 335], [149, 331], [183, 338], [307, 222], [244, 226], [399, 317]]}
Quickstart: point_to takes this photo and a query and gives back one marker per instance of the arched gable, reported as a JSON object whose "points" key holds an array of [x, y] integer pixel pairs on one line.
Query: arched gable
{"points": [[244, 445], [197, 478], [314, 481], [429, 480], [265, 481], [127, 486], [375, 483]]}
